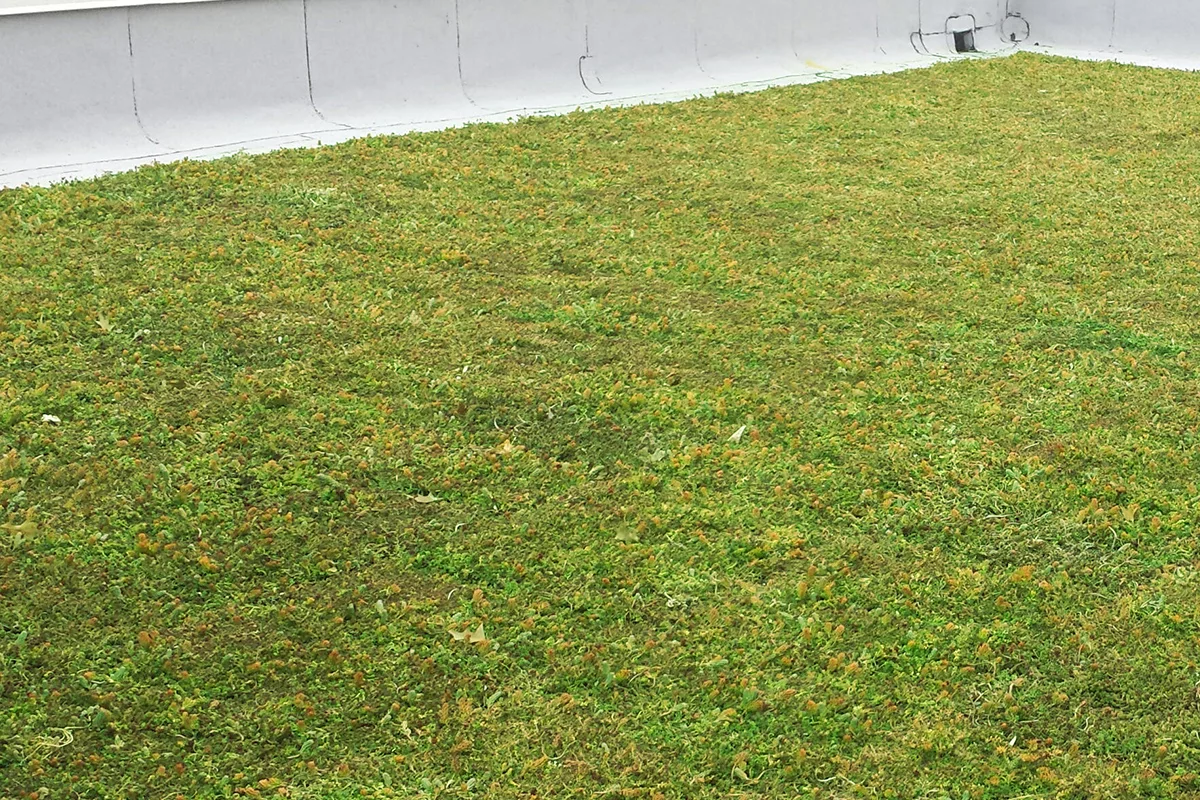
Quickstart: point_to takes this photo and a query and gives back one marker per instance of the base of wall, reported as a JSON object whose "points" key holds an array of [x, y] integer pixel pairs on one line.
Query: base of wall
{"points": [[87, 92]]}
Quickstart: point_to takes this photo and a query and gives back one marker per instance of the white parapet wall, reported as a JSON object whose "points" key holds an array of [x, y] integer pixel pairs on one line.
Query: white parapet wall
{"points": [[88, 86], [1150, 32]]}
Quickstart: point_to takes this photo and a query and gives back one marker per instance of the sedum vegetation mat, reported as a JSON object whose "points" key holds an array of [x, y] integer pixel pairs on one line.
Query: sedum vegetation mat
{"points": [[834, 441]]}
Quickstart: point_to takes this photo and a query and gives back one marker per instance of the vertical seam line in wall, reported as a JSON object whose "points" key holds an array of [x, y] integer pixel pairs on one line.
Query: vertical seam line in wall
{"points": [[137, 114], [695, 22], [462, 83], [917, 39], [312, 100], [587, 51], [587, 54]]}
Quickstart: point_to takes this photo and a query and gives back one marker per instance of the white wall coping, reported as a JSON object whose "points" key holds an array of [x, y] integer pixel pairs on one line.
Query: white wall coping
{"points": [[13, 7]]}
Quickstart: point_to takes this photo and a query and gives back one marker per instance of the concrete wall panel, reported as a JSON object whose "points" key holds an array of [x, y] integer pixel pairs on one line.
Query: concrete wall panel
{"points": [[1166, 30], [215, 73], [638, 48], [378, 64], [523, 55], [62, 106], [1155, 32], [1071, 24], [748, 42]]}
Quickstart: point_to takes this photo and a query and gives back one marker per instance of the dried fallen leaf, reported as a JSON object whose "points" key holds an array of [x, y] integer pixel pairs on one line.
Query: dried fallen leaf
{"points": [[426, 499], [476, 636], [25, 530], [627, 535], [50, 418], [737, 436]]}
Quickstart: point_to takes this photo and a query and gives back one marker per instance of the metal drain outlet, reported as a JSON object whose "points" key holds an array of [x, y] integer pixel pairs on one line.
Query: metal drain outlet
{"points": [[1015, 29], [960, 33]]}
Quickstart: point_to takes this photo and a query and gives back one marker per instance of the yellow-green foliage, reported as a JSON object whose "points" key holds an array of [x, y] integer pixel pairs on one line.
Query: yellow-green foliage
{"points": [[832, 441]]}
